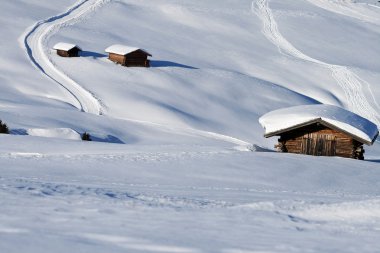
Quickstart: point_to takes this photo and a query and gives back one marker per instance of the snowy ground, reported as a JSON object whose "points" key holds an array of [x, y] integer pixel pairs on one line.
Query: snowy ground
{"points": [[189, 199], [171, 167]]}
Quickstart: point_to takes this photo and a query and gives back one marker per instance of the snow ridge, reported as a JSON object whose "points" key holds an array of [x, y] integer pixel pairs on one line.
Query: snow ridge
{"points": [[347, 80], [240, 144], [34, 41]]}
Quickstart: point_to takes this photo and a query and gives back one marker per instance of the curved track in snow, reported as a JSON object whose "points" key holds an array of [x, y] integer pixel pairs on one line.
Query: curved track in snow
{"points": [[351, 84], [350, 9], [35, 40], [35, 43]]}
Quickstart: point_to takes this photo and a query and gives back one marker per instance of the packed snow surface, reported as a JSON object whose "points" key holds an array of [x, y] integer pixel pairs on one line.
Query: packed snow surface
{"points": [[62, 133], [168, 168], [285, 118], [64, 46], [123, 49]]}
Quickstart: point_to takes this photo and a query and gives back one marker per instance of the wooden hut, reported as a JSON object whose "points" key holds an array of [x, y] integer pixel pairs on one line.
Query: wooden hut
{"points": [[67, 50], [128, 56], [320, 130]]}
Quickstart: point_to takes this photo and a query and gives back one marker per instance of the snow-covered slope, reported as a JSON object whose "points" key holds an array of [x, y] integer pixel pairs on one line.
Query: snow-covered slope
{"points": [[74, 196], [166, 172], [205, 56]]}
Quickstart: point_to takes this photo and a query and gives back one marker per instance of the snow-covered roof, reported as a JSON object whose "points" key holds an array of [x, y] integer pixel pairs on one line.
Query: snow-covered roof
{"points": [[283, 120], [65, 46], [123, 49]]}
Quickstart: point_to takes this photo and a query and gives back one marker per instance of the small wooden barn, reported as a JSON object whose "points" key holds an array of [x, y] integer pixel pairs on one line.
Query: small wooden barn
{"points": [[128, 56], [67, 49], [320, 130]]}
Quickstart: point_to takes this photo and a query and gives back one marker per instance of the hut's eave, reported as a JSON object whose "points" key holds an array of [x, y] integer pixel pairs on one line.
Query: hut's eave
{"points": [[123, 49], [288, 119], [65, 46]]}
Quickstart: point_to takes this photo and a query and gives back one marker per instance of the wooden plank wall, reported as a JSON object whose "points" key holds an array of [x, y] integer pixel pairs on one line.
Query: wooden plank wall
{"points": [[318, 144], [307, 139], [117, 58], [134, 59], [137, 59]]}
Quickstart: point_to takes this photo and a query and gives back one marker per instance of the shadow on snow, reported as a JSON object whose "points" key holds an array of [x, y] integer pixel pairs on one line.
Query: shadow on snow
{"points": [[91, 54], [163, 64]]}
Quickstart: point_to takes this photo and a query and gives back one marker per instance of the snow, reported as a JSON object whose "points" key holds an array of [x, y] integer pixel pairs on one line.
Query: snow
{"points": [[282, 119], [123, 49], [346, 78], [80, 196], [179, 162], [65, 46], [63, 133]]}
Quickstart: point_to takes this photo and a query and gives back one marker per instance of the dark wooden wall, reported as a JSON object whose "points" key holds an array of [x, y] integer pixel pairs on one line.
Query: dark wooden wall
{"points": [[137, 59], [319, 140], [71, 53], [63, 53], [134, 59]]}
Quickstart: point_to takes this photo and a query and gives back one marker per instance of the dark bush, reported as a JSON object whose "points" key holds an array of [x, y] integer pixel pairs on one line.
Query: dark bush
{"points": [[3, 128], [86, 137]]}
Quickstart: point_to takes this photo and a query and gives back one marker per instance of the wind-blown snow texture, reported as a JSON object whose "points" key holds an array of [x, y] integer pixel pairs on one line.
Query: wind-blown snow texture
{"points": [[166, 171]]}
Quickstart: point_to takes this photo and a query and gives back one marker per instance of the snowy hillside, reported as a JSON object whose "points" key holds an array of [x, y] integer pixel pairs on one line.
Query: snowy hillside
{"points": [[169, 168]]}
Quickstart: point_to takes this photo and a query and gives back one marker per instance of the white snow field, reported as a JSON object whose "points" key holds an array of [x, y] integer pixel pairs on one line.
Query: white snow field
{"points": [[178, 161]]}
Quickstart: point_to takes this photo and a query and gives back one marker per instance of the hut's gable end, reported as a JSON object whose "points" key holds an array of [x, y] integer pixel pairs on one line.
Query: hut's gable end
{"points": [[319, 140], [63, 53], [137, 59], [74, 52], [138, 54], [67, 50]]}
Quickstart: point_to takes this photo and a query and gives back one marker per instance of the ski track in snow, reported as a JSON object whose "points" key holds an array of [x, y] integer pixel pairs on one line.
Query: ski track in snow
{"points": [[35, 43], [351, 84], [35, 40]]}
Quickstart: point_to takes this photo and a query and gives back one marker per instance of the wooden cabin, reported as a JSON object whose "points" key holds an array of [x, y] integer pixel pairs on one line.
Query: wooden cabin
{"points": [[128, 56], [67, 50], [334, 132]]}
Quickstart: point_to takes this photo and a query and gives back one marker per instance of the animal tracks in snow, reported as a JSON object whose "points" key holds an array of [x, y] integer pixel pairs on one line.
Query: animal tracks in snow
{"points": [[54, 190], [351, 84], [149, 196]]}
